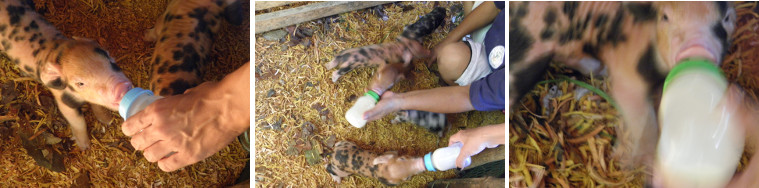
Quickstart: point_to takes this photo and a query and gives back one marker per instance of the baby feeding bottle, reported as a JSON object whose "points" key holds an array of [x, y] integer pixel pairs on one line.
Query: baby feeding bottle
{"points": [[701, 142], [135, 100], [355, 114], [444, 159]]}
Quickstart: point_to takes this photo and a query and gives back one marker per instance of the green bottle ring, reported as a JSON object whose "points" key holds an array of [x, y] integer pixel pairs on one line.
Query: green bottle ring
{"points": [[373, 95], [692, 64]]}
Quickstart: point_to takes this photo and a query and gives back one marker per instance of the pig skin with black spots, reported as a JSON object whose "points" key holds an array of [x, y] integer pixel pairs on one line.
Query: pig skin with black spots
{"points": [[184, 37], [77, 71], [637, 43], [389, 168], [408, 46]]}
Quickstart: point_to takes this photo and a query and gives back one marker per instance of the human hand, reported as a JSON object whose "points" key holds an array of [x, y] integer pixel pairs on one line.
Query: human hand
{"points": [[477, 139], [389, 103], [433, 54], [183, 129], [747, 116]]}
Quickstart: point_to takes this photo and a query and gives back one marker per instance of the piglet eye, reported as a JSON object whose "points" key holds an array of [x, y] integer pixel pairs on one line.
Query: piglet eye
{"points": [[80, 84], [664, 17]]}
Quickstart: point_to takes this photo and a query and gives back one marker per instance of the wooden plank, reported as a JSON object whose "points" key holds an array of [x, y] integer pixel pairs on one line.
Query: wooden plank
{"points": [[486, 156], [279, 19], [468, 182], [260, 5]]}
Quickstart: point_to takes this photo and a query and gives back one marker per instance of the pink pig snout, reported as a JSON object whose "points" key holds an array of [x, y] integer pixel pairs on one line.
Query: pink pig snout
{"points": [[118, 90], [698, 49]]}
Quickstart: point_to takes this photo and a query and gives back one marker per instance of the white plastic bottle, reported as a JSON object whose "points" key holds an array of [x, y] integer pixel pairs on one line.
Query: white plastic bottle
{"points": [[444, 159], [355, 115], [700, 143], [135, 100]]}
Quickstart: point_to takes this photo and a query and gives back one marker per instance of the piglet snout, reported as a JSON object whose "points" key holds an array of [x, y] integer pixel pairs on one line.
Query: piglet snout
{"points": [[696, 50], [119, 90]]}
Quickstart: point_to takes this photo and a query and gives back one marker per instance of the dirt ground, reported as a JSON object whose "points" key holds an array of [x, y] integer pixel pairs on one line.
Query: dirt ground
{"points": [[27, 111], [300, 111], [570, 144]]}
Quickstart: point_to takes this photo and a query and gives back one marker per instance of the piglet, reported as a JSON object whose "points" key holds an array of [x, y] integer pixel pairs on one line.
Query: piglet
{"points": [[183, 37], [76, 71], [425, 25], [403, 50], [389, 168], [386, 76]]}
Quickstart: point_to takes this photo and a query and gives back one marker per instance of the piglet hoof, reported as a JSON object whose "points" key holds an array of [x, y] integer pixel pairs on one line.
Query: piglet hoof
{"points": [[83, 145], [102, 114], [335, 77], [336, 178], [149, 35]]}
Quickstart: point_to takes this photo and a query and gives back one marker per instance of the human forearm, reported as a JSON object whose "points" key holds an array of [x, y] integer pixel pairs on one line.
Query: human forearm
{"points": [[453, 99], [497, 133], [478, 18], [234, 92]]}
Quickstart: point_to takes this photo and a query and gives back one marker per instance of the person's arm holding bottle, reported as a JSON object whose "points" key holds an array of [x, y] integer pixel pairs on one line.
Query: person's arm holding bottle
{"points": [[180, 130]]}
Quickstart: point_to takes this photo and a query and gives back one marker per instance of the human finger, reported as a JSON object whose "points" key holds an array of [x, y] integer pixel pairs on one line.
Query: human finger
{"points": [[157, 151], [137, 122], [146, 138]]}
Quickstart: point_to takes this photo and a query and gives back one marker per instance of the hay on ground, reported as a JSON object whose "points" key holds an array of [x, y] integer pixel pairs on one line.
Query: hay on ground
{"points": [[27, 107]]}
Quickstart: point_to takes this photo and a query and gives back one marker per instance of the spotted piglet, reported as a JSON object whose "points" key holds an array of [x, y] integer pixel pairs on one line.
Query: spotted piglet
{"points": [[403, 50], [408, 46], [389, 168], [638, 42], [425, 25], [184, 36], [76, 71], [433, 122]]}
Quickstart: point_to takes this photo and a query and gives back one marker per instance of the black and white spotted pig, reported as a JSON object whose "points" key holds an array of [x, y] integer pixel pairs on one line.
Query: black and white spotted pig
{"points": [[433, 122], [425, 25], [403, 50], [408, 46], [184, 36], [389, 168], [75, 70], [638, 42]]}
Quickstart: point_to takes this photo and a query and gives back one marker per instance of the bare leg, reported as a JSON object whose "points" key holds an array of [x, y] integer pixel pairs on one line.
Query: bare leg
{"points": [[452, 60]]}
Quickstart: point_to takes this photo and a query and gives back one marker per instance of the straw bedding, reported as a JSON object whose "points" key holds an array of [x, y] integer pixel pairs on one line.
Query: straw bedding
{"points": [[300, 112], [29, 117], [571, 144]]}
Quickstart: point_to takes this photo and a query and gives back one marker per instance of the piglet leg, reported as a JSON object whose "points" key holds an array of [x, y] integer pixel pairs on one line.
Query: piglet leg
{"points": [[101, 113], [638, 134], [336, 173], [76, 123]]}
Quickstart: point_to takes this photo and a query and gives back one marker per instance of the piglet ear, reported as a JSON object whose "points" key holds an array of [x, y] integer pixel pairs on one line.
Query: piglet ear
{"points": [[83, 39], [50, 75], [150, 35], [383, 159]]}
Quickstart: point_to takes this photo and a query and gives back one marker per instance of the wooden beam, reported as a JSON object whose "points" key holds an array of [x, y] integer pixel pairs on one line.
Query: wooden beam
{"points": [[261, 5], [468, 182], [488, 155], [282, 18]]}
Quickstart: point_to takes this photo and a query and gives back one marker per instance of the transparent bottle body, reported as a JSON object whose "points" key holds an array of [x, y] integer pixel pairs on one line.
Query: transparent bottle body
{"points": [[700, 143], [133, 104], [445, 158], [355, 115]]}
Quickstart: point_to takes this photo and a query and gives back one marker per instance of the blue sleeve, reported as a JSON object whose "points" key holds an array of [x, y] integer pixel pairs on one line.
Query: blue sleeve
{"points": [[500, 4], [488, 93]]}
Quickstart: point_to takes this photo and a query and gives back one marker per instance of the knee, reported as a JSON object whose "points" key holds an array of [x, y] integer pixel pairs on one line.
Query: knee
{"points": [[452, 60]]}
